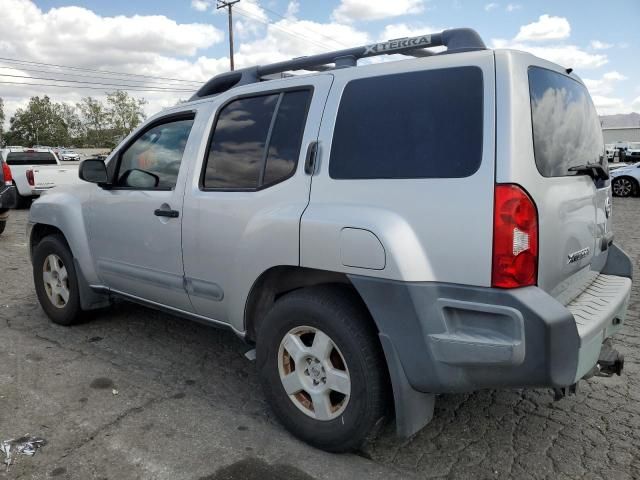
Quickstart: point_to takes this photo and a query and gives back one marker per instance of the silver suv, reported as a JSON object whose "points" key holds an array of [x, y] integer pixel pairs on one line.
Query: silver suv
{"points": [[326, 220]]}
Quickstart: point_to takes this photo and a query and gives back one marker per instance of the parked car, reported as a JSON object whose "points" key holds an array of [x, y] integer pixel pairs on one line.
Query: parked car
{"points": [[7, 194], [326, 220], [68, 156], [626, 180], [47, 165], [610, 151], [633, 152]]}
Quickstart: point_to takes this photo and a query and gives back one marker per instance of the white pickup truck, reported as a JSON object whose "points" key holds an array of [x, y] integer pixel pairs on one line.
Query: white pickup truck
{"points": [[36, 170]]}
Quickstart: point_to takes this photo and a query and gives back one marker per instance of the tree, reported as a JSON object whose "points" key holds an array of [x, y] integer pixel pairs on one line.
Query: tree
{"points": [[39, 123], [125, 112], [69, 115], [1, 120], [95, 123]]}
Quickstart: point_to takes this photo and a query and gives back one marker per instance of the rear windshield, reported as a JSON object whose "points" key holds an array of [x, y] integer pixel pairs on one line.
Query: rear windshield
{"points": [[566, 128], [31, 158], [425, 124]]}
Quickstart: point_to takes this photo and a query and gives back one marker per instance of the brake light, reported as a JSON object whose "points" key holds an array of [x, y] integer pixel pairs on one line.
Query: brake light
{"points": [[515, 238], [30, 178], [6, 173]]}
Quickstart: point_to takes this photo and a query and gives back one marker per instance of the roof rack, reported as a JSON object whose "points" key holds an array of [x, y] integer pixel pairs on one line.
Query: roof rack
{"points": [[457, 39]]}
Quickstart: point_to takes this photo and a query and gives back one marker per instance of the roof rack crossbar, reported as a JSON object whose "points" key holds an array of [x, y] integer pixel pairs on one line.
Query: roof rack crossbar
{"points": [[454, 39]]}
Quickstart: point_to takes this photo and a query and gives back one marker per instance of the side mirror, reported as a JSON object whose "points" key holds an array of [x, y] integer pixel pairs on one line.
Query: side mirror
{"points": [[136, 178], [94, 171]]}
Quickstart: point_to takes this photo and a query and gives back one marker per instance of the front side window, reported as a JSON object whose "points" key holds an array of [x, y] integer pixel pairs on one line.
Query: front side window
{"points": [[256, 141], [153, 160], [566, 128]]}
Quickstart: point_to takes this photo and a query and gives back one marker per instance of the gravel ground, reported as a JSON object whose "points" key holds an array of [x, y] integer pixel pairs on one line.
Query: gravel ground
{"points": [[139, 394]]}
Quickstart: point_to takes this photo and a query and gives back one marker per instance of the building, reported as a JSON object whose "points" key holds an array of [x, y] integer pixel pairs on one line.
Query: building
{"points": [[621, 134]]}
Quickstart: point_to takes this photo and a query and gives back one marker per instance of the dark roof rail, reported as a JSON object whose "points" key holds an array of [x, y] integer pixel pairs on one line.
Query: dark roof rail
{"points": [[457, 39]]}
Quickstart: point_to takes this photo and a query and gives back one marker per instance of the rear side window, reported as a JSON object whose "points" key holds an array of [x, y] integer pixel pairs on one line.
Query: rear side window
{"points": [[425, 124], [31, 158], [566, 128], [256, 141]]}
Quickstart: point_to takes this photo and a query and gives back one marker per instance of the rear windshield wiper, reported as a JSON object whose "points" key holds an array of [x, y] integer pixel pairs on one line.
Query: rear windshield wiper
{"points": [[594, 170]]}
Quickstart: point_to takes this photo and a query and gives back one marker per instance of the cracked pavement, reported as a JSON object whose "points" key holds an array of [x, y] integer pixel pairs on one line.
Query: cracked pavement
{"points": [[136, 393]]}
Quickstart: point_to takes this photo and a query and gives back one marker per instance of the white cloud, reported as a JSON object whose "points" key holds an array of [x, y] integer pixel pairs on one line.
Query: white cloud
{"points": [[636, 103], [401, 30], [142, 45], [605, 85], [292, 8], [546, 28], [565, 55], [598, 45], [491, 6], [200, 5], [291, 38], [610, 105], [512, 7], [251, 18], [353, 10]]}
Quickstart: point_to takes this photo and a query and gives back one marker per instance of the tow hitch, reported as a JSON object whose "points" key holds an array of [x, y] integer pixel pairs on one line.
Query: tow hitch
{"points": [[610, 361]]}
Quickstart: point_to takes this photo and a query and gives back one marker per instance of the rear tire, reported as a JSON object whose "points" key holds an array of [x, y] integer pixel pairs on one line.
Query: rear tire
{"points": [[624, 186], [3, 224], [335, 398], [56, 282]]}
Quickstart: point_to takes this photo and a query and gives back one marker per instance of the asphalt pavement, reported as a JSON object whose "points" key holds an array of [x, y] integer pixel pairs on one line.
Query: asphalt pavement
{"points": [[138, 394]]}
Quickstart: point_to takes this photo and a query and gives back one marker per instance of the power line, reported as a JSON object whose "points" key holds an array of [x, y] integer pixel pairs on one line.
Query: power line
{"points": [[77, 75], [301, 37], [88, 87], [13, 60], [90, 83], [311, 30]]}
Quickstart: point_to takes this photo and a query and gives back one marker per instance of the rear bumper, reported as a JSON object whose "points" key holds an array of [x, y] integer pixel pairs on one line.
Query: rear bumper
{"points": [[453, 338], [8, 197]]}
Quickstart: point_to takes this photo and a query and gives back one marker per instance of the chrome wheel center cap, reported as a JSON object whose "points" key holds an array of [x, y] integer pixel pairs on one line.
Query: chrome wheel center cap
{"points": [[315, 371]]}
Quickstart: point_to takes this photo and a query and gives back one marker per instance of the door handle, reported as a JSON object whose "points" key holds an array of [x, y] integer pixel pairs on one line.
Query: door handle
{"points": [[160, 212], [310, 160]]}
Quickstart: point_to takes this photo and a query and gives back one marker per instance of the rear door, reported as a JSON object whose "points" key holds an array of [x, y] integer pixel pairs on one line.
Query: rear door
{"points": [[546, 129], [247, 193]]}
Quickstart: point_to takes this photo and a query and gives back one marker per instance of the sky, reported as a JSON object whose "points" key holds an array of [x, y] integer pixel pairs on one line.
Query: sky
{"points": [[177, 44]]}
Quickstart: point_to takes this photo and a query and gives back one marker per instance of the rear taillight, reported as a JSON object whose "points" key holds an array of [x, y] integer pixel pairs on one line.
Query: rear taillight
{"points": [[6, 173], [30, 178], [515, 238]]}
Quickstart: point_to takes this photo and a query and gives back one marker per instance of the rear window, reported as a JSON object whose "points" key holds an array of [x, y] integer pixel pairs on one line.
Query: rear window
{"points": [[31, 158], [566, 128], [425, 124]]}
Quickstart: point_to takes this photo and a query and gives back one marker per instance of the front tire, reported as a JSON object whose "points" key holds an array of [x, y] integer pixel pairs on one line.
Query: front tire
{"points": [[322, 368], [624, 186], [56, 282]]}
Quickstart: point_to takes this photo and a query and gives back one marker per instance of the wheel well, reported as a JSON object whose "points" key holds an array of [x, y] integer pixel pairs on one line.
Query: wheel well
{"points": [[278, 281], [39, 231]]}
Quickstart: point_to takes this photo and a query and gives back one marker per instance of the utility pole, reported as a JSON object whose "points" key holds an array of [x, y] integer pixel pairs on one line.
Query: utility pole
{"points": [[228, 4]]}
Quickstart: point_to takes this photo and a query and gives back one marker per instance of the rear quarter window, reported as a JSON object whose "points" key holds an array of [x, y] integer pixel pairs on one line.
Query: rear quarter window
{"points": [[425, 124], [566, 127]]}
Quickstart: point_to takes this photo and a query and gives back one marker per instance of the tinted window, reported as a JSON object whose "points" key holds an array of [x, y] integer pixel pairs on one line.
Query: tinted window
{"points": [[284, 147], [256, 141], [424, 124], [153, 160], [566, 128], [31, 158], [237, 149]]}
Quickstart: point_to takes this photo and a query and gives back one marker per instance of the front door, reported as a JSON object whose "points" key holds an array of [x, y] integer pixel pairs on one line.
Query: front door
{"points": [[135, 226]]}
